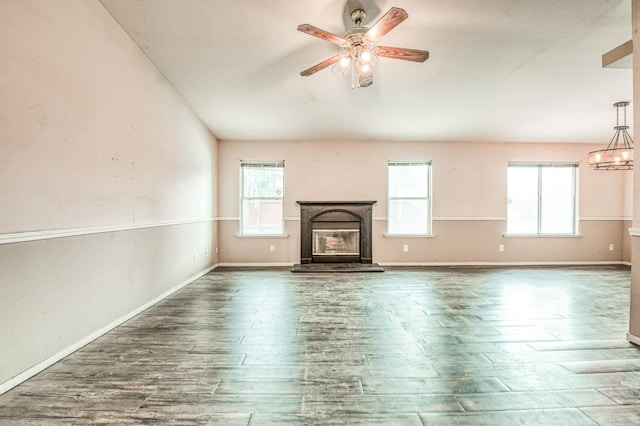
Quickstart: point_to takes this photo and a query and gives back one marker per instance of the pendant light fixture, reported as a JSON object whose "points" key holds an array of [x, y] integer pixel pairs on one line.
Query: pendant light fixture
{"points": [[619, 153]]}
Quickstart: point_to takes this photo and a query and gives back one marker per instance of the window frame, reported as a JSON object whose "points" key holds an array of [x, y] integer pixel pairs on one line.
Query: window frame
{"points": [[428, 198], [575, 166], [243, 198]]}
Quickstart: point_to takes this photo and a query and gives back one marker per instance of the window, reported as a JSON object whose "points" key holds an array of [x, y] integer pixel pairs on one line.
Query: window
{"points": [[262, 208], [542, 199], [409, 198]]}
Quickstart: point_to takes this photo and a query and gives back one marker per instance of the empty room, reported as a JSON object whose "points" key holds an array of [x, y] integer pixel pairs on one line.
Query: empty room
{"points": [[301, 212]]}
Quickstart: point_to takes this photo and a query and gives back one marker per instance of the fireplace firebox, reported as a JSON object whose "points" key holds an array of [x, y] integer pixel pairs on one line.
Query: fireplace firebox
{"points": [[335, 232]]}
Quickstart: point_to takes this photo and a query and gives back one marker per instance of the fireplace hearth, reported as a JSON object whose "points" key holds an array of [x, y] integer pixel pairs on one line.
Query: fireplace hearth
{"points": [[336, 234]]}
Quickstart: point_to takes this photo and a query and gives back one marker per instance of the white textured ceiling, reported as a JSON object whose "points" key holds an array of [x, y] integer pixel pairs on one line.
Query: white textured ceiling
{"points": [[499, 70]]}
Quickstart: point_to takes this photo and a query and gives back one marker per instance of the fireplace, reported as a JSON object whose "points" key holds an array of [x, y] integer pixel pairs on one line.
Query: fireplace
{"points": [[335, 232]]}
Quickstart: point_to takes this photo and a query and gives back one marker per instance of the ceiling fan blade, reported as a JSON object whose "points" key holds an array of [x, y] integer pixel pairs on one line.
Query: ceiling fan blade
{"points": [[322, 65], [389, 21], [317, 32], [402, 53]]}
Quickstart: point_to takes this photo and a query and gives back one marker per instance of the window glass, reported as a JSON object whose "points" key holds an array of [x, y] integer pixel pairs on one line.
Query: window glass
{"points": [[408, 216], [557, 200], [522, 210], [409, 180]]}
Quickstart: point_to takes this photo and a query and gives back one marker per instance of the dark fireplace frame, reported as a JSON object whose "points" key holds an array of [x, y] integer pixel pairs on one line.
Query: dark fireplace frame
{"points": [[328, 214]]}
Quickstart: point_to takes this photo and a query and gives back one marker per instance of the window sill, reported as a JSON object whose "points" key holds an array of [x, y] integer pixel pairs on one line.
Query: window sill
{"points": [[542, 235], [387, 235], [262, 235]]}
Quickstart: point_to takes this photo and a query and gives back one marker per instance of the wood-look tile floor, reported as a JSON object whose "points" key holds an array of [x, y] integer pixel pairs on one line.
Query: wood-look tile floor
{"points": [[471, 346]]}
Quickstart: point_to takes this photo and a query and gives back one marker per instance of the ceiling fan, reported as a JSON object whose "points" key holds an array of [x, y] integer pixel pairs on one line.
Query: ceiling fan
{"points": [[360, 49]]}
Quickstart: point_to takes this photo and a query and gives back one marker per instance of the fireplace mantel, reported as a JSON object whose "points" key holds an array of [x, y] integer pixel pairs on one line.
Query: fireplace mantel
{"points": [[322, 213]]}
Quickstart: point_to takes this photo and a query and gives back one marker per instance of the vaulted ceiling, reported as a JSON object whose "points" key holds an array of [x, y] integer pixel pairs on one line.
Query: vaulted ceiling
{"points": [[499, 70]]}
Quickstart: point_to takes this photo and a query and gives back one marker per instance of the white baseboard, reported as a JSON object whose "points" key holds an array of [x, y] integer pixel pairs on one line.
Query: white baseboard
{"points": [[633, 339], [27, 374], [542, 263], [256, 265]]}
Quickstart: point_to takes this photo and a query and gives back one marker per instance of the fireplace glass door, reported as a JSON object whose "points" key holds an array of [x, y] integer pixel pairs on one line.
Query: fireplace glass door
{"points": [[336, 243]]}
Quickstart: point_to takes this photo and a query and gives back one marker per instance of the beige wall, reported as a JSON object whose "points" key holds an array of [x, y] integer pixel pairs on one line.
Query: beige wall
{"points": [[469, 200], [107, 180]]}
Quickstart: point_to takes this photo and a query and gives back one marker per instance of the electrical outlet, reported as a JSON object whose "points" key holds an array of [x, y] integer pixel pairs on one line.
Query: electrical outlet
{"points": [[272, 248], [216, 250], [405, 248], [195, 257], [206, 252], [610, 247], [501, 247]]}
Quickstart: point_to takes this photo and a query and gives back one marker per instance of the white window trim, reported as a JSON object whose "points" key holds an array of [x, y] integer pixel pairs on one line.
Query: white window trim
{"points": [[429, 233], [543, 235], [254, 163], [254, 236], [387, 235]]}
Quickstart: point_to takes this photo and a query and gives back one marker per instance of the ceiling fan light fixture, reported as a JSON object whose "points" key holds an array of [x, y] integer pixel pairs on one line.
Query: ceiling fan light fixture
{"points": [[365, 78], [361, 74], [369, 56], [342, 67], [619, 153], [359, 62], [360, 49]]}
